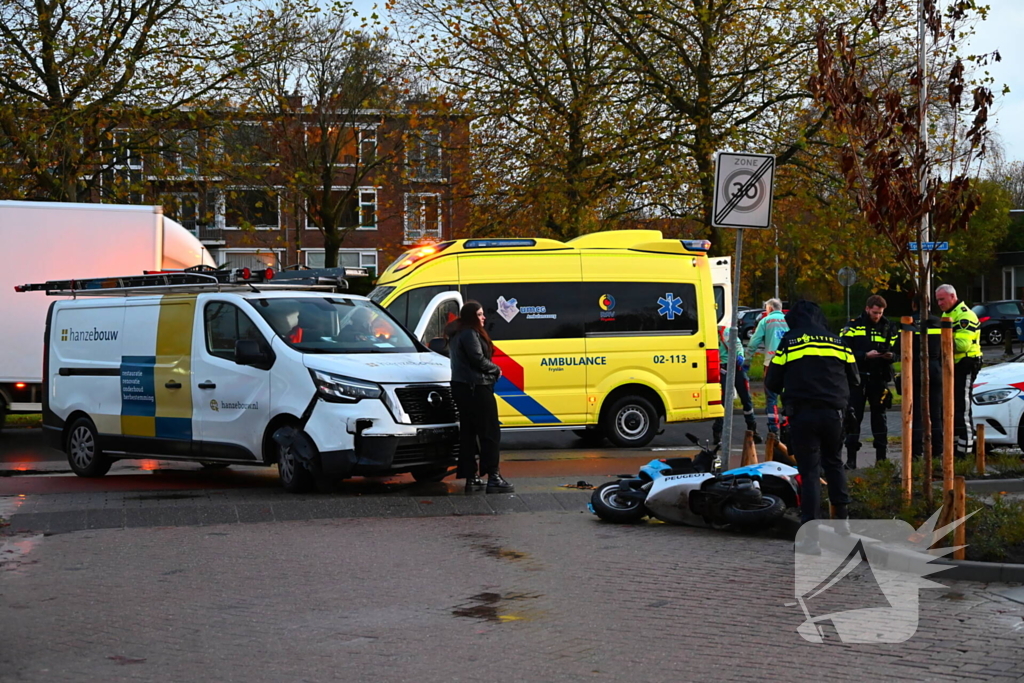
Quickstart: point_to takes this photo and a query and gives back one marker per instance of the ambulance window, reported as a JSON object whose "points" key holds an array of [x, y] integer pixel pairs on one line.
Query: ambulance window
{"points": [[226, 324], [408, 307], [447, 312], [623, 308], [720, 302], [531, 310]]}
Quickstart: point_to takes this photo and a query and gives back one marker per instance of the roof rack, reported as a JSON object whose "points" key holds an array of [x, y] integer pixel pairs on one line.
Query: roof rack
{"points": [[198, 279]]}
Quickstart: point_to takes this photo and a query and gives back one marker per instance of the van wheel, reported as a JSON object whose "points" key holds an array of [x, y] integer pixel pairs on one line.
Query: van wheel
{"points": [[295, 478], [82, 447], [631, 422]]}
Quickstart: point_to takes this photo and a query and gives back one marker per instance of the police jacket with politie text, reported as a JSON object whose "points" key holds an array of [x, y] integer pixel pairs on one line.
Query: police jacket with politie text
{"points": [[811, 368], [861, 336]]}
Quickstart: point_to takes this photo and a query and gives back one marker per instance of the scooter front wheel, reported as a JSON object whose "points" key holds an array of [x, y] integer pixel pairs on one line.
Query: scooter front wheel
{"points": [[769, 509], [610, 506]]}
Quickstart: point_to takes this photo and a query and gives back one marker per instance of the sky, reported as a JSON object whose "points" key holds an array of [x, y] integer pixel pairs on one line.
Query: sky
{"points": [[1003, 31]]}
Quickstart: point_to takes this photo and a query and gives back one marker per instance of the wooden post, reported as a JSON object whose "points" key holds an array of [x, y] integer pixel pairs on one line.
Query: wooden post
{"points": [[959, 512], [769, 447], [907, 390], [947, 404], [749, 456], [981, 449], [946, 516]]}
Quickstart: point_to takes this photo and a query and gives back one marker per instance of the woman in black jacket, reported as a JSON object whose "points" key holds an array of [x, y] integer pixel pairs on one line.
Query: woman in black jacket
{"points": [[473, 378]]}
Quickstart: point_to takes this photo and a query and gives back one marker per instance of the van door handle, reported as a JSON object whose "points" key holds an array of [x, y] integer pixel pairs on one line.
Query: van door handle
{"points": [[207, 385], [173, 385]]}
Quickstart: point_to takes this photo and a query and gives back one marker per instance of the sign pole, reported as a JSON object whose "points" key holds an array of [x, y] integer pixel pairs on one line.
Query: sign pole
{"points": [[733, 346]]}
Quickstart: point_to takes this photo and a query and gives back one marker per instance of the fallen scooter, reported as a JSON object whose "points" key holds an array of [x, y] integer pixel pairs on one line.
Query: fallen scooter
{"points": [[695, 492]]}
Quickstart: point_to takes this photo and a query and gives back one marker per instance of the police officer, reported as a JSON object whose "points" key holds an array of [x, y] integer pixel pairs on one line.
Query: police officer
{"points": [[814, 372], [871, 338], [966, 364]]}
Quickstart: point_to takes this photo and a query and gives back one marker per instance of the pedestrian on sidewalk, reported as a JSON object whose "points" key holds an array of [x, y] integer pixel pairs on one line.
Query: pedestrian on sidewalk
{"points": [[473, 377], [966, 365], [742, 384], [768, 334], [871, 337], [815, 373]]}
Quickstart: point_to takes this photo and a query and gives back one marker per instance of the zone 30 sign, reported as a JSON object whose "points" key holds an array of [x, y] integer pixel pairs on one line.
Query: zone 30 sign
{"points": [[743, 190]]}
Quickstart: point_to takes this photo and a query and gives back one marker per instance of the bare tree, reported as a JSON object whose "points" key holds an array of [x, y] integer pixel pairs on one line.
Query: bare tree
{"points": [[86, 83]]}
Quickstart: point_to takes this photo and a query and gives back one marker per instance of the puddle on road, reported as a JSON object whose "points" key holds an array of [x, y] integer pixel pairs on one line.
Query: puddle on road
{"points": [[494, 607], [15, 551], [9, 505], [490, 547]]}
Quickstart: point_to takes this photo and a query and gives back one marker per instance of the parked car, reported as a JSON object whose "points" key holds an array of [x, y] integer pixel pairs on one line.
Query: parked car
{"points": [[997, 318], [999, 403]]}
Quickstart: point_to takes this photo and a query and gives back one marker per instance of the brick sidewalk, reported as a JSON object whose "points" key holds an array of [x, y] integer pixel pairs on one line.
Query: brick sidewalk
{"points": [[552, 596]]}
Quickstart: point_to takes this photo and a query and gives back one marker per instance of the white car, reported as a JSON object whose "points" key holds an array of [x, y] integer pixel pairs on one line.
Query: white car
{"points": [[999, 402]]}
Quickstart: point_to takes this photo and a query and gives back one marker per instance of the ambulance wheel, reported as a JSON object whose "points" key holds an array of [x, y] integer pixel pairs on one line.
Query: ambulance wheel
{"points": [[82, 447], [611, 507], [295, 478], [631, 422]]}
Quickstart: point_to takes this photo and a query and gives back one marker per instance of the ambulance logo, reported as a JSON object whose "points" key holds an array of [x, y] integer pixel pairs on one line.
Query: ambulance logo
{"points": [[606, 302], [508, 309], [670, 306]]}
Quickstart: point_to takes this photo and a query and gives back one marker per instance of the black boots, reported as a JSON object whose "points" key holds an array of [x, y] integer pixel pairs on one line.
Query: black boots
{"points": [[497, 484], [474, 483], [851, 459]]}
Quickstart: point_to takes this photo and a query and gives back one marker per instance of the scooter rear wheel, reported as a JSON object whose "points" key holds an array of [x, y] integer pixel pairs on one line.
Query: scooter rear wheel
{"points": [[612, 507], [768, 510]]}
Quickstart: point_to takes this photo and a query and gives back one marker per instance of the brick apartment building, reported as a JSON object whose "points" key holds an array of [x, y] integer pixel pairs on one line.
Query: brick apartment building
{"points": [[409, 172]]}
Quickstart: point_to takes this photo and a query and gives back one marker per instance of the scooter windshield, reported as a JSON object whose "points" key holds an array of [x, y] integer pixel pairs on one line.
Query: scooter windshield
{"points": [[334, 325]]}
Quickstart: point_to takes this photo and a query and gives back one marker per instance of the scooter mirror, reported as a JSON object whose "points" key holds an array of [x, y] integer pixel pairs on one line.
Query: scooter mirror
{"points": [[693, 439]]}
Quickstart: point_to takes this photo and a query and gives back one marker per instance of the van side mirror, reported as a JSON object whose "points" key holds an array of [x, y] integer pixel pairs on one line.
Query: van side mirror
{"points": [[251, 352], [438, 345]]}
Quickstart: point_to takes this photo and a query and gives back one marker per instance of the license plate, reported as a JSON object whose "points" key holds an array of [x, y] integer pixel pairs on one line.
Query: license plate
{"points": [[436, 433]]}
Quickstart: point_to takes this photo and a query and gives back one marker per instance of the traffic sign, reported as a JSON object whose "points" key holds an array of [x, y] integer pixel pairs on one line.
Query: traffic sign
{"points": [[931, 246], [847, 277], [743, 190]]}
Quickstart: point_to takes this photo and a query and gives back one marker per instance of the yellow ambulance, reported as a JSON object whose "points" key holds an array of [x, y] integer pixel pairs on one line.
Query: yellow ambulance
{"points": [[611, 334]]}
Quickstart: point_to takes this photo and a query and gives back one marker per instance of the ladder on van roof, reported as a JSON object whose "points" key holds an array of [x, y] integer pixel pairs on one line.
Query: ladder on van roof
{"points": [[199, 279]]}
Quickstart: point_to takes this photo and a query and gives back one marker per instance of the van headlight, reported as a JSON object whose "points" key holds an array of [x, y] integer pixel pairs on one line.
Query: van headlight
{"points": [[996, 396], [338, 389]]}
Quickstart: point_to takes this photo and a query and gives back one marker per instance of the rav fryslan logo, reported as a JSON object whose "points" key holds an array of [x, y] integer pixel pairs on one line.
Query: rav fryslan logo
{"points": [[863, 601]]}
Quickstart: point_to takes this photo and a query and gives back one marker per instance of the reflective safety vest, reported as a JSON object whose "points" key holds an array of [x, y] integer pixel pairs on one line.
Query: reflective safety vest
{"points": [[966, 332]]}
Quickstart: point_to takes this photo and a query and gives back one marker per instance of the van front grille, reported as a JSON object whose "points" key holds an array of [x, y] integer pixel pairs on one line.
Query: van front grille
{"points": [[428, 404]]}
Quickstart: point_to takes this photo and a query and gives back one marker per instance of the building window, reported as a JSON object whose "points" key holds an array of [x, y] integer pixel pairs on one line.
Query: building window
{"points": [[250, 208], [257, 259], [123, 178], [367, 146], [423, 156], [179, 152], [344, 143], [347, 258], [183, 207], [359, 211], [422, 217], [250, 143]]}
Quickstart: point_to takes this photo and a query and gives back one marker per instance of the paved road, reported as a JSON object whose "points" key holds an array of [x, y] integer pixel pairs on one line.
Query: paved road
{"points": [[553, 596]]}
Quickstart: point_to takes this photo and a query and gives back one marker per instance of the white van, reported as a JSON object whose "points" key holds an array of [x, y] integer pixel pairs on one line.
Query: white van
{"points": [[320, 383]]}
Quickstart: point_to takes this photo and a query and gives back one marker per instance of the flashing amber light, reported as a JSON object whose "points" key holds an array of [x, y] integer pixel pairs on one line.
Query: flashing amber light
{"points": [[20, 385], [420, 253]]}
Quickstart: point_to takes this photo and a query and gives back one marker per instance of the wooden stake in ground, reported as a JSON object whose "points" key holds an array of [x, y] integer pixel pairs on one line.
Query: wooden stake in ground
{"points": [[749, 456], [959, 512], [947, 404], [981, 449], [946, 516], [907, 390], [769, 447]]}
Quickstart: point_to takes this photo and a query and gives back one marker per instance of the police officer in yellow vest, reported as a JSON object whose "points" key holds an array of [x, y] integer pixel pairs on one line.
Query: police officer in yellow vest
{"points": [[966, 364]]}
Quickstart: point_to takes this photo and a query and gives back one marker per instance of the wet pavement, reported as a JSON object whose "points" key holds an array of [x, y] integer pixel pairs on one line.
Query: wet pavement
{"points": [[549, 596]]}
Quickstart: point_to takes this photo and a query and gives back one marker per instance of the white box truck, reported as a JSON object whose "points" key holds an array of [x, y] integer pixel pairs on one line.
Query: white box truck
{"points": [[49, 241]]}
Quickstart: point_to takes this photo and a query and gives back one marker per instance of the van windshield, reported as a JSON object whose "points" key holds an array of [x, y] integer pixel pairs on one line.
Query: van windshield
{"points": [[334, 325]]}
